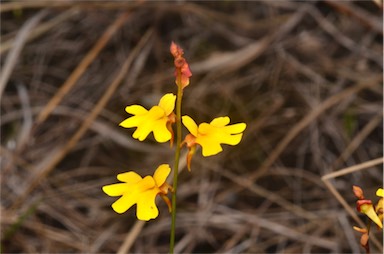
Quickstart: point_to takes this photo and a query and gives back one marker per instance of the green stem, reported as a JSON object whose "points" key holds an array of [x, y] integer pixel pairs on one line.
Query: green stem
{"points": [[176, 165]]}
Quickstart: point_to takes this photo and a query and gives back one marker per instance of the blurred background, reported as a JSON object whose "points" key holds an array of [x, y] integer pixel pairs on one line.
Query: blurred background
{"points": [[306, 77]]}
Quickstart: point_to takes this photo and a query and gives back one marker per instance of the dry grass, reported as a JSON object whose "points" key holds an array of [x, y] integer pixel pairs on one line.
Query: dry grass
{"points": [[305, 77]]}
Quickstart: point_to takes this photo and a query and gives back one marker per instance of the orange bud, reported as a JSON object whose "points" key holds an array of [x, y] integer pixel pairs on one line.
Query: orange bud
{"points": [[358, 192], [176, 51], [191, 152], [190, 142], [179, 62], [182, 71], [364, 241], [167, 201], [171, 121], [361, 230], [185, 75], [364, 237]]}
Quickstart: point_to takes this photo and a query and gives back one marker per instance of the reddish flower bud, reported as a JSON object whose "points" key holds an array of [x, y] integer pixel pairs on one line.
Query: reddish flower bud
{"points": [[364, 242], [182, 71], [176, 51], [358, 192]]}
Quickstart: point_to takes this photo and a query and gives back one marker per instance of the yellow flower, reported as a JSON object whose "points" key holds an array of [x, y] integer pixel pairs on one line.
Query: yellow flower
{"points": [[158, 119], [380, 205], [141, 191], [211, 135], [380, 192], [365, 205]]}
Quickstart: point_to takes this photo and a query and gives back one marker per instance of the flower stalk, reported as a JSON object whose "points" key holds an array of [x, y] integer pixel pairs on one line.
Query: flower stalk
{"points": [[176, 166]]}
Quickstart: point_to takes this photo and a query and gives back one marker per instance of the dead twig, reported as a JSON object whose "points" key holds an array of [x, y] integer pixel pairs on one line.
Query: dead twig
{"points": [[82, 67], [39, 30], [59, 154], [19, 43], [316, 112]]}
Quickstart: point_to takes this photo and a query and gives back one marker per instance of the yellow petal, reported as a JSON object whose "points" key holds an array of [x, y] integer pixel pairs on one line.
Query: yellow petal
{"points": [[209, 147], [136, 110], [146, 206], [147, 183], [167, 103], [207, 129], [190, 125], [231, 139], [211, 137], [160, 131], [125, 202], [129, 177], [370, 212], [156, 113], [144, 123], [132, 121], [235, 128], [220, 121], [161, 174], [116, 189], [142, 131], [133, 194], [380, 192]]}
